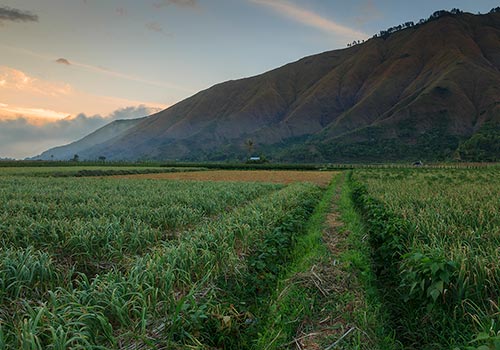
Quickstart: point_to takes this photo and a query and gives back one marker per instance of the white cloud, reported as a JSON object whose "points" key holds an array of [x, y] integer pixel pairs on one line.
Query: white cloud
{"points": [[310, 18]]}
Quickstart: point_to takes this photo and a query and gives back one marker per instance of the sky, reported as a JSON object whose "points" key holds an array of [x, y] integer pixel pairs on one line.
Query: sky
{"points": [[68, 67]]}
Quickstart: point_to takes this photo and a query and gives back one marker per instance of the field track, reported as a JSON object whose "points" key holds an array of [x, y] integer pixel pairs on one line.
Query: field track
{"points": [[321, 178]]}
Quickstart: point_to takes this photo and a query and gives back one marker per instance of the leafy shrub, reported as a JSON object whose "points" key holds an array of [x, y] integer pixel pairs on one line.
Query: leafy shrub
{"points": [[425, 278]]}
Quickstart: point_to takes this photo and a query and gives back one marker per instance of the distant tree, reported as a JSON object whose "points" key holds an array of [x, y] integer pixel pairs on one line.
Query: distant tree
{"points": [[439, 14], [76, 158], [102, 158], [436, 15], [495, 10], [250, 146]]}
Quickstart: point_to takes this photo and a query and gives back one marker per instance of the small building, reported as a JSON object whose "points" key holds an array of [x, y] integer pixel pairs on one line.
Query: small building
{"points": [[255, 158]]}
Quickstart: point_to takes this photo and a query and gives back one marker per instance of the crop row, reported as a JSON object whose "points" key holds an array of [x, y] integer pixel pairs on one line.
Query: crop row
{"points": [[72, 169], [435, 235], [198, 287], [101, 221]]}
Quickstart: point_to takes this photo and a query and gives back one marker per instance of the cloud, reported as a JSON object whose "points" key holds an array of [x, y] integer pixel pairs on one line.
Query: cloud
{"points": [[103, 71], [132, 112], [121, 11], [24, 95], [17, 82], [37, 115], [20, 137], [157, 28], [15, 15], [129, 77], [63, 61], [181, 3], [310, 18], [154, 27]]}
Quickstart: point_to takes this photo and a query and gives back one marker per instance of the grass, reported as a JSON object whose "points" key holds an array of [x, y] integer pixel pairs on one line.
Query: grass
{"points": [[326, 297], [93, 222], [81, 170], [291, 302], [383, 258], [435, 235], [372, 316], [99, 263]]}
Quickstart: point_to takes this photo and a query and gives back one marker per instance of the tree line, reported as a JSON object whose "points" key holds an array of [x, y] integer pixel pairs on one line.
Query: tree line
{"points": [[436, 15]]}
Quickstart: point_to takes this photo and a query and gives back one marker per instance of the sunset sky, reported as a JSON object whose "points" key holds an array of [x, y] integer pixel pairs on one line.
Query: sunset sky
{"points": [[68, 67]]}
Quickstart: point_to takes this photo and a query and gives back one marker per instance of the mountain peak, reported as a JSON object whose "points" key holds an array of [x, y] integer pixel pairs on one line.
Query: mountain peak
{"points": [[418, 91]]}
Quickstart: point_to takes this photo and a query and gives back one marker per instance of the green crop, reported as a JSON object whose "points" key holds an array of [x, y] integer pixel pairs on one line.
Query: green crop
{"points": [[439, 231], [101, 263]]}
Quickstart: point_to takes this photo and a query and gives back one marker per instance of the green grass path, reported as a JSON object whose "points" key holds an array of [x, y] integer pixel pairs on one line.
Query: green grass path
{"points": [[326, 299]]}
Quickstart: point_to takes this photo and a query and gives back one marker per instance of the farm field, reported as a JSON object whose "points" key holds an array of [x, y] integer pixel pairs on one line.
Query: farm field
{"points": [[82, 170], [321, 178], [106, 263], [436, 240], [362, 259]]}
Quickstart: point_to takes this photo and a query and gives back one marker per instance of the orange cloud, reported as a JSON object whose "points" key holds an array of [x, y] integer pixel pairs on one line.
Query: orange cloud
{"points": [[39, 101], [35, 116], [310, 18], [20, 137], [16, 80]]}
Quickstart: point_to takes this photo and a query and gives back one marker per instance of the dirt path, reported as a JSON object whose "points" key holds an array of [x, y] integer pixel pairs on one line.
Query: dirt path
{"points": [[334, 322]]}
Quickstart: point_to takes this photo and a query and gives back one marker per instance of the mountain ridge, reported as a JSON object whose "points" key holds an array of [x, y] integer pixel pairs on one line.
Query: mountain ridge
{"points": [[87, 143], [420, 92]]}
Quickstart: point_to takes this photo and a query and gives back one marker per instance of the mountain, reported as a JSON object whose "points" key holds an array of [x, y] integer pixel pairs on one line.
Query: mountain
{"points": [[90, 146], [423, 92]]}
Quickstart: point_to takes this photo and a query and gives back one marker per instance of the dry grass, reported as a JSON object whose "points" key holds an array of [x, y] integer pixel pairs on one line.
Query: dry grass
{"points": [[321, 178]]}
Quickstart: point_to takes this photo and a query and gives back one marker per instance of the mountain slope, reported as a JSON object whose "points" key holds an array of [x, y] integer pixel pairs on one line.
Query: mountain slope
{"points": [[85, 146], [417, 93]]}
